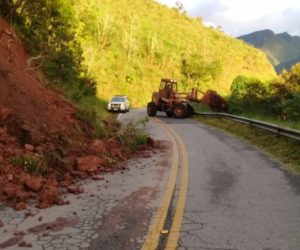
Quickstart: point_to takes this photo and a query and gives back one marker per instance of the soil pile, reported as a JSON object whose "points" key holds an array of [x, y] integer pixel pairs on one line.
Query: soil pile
{"points": [[44, 146]]}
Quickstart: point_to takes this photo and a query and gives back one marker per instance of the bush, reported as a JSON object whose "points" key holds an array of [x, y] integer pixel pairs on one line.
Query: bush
{"points": [[248, 90], [132, 137], [292, 78], [248, 94], [291, 107], [279, 98]]}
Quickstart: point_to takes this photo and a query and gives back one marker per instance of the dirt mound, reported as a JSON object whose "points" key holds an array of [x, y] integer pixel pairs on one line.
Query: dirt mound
{"points": [[27, 102], [215, 101], [40, 134]]}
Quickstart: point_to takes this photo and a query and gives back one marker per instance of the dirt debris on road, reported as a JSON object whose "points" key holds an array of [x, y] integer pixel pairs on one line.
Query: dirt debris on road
{"points": [[44, 146], [47, 153], [125, 202]]}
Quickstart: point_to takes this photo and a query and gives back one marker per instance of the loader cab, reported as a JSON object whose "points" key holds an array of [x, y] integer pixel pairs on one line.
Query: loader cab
{"points": [[168, 85]]}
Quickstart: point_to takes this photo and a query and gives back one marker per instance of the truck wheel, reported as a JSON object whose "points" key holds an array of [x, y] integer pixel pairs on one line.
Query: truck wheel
{"points": [[180, 111], [151, 109], [169, 113], [190, 110]]}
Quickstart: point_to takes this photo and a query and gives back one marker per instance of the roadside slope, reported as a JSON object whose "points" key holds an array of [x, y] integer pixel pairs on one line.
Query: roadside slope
{"points": [[43, 143]]}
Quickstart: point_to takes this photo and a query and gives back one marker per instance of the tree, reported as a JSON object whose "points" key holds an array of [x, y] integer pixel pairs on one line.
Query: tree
{"points": [[196, 70], [48, 28], [9, 8], [249, 90], [291, 107], [292, 78]]}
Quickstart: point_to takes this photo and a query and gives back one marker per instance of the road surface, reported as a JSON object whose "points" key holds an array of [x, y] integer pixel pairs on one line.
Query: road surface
{"points": [[236, 197], [113, 212], [206, 191]]}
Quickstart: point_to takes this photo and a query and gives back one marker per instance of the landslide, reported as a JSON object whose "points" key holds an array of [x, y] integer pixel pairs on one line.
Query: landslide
{"points": [[44, 146]]}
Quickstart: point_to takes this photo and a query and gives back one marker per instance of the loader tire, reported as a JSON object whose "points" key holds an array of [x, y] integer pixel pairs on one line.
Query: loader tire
{"points": [[169, 113], [190, 110], [180, 111], [151, 109]]}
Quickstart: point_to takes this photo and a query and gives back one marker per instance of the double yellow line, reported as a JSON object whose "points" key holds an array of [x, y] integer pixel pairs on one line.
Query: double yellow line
{"points": [[153, 237]]}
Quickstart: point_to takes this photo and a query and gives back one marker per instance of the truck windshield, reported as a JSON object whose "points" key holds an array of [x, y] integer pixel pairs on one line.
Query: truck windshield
{"points": [[117, 99]]}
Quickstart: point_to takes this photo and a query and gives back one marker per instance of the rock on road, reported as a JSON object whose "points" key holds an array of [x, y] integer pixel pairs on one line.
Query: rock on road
{"points": [[113, 212]]}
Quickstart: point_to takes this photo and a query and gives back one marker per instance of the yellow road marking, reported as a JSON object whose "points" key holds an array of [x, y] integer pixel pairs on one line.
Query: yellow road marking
{"points": [[179, 212], [152, 239]]}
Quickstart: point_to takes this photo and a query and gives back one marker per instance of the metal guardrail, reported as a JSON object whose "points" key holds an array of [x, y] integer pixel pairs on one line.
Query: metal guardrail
{"points": [[287, 132]]}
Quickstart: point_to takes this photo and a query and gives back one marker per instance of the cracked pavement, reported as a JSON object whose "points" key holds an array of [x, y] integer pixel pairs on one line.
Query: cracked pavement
{"points": [[238, 198], [114, 213]]}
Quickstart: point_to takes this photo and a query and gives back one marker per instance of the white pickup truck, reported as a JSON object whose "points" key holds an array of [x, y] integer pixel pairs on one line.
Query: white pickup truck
{"points": [[119, 103]]}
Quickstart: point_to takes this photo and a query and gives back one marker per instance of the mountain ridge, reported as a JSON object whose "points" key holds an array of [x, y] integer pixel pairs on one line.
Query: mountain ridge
{"points": [[282, 49]]}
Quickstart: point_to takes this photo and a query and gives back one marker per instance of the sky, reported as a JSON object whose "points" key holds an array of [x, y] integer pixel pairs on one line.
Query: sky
{"points": [[239, 17]]}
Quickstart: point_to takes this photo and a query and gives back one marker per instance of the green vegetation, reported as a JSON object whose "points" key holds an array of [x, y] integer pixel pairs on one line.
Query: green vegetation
{"points": [[105, 47], [199, 107], [276, 101], [91, 49], [41, 164], [129, 45], [132, 136], [29, 163], [281, 148], [49, 30]]}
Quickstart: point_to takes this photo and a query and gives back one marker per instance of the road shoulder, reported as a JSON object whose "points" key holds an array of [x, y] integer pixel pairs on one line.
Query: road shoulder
{"points": [[113, 213]]}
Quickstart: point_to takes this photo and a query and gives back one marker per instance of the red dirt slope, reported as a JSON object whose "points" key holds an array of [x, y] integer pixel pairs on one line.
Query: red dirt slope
{"points": [[39, 132]]}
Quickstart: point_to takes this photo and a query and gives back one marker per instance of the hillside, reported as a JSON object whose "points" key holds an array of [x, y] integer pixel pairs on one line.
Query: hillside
{"points": [[282, 49], [44, 144], [129, 45]]}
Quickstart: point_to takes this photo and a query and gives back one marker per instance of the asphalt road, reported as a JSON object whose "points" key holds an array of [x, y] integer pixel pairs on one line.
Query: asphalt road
{"points": [[237, 197], [228, 195]]}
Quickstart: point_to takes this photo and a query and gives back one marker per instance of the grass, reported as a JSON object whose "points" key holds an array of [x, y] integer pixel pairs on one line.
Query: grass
{"points": [[272, 119], [199, 107], [133, 136], [93, 110], [29, 163], [283, 149]]}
